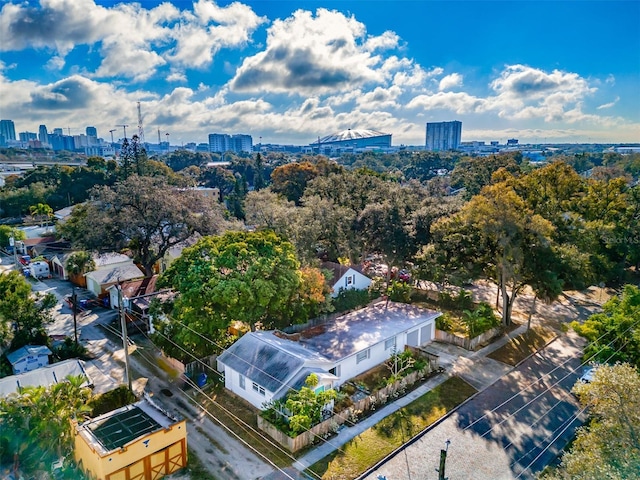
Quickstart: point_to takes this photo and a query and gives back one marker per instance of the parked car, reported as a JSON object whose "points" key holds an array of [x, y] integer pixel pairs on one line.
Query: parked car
{"points": [[588, 374]]}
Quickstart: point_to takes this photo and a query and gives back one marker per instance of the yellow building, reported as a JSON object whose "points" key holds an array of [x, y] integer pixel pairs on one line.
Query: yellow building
{"points": [[137, 442]]}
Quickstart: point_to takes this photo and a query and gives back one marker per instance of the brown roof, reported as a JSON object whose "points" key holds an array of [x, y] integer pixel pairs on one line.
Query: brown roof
{"points": [[138, 287], [338, 270]]}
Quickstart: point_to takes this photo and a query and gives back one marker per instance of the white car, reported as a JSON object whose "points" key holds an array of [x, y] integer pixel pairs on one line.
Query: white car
{"points": [[588, 373]]}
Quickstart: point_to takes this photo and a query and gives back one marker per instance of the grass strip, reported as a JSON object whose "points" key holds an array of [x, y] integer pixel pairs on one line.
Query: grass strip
{"points": [[375, 443], [520, 347]]}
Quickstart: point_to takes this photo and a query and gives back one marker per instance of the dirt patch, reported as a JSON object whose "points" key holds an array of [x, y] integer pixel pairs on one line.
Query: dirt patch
{"points": [[522, 346]]}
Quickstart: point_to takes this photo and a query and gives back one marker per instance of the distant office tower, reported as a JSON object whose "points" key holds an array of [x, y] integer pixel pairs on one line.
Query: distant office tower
{"points": [[512, 142], [443, 136], [43, 136], [221, 142], [92, 132], [8, 130], [242, 143], [26, 136], [58, 131]]}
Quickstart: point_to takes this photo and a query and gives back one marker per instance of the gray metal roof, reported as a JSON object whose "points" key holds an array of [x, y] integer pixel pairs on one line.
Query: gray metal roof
{"points": [[359, 330], [44, 376], [118, 274], [268, 360], [350, 134], [27, 350]]}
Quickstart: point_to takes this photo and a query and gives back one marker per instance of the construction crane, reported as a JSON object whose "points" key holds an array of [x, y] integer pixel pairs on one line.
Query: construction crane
{"points": [[140, 129], [111, 132], [124, 127]]}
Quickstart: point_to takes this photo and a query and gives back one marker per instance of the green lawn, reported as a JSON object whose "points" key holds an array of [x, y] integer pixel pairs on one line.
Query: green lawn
{"points": [[375, 443], [523, 345]]}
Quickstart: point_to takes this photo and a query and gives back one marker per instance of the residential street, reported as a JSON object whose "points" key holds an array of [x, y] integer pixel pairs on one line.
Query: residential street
{"points": [[510, 430], [220, 453]]}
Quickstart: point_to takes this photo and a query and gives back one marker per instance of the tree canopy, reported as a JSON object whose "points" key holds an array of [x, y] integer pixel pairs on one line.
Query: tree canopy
{"points": [[252, 277], [614, 335], [144, 214], [609, 445], [22, 317]]}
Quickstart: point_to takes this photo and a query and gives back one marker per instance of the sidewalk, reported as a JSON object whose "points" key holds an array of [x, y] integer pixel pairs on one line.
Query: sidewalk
{"points": [[484, 373]]}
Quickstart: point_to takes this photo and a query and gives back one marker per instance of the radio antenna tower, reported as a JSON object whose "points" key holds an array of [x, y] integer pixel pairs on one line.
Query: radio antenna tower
{"points": [[140, 129]]}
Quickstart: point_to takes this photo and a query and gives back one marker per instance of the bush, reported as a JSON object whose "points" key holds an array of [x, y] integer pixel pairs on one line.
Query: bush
{"points": [[400, 291], [111, 400], [444, 323], [480, 319], [351, 299], [70, 349], [462, 301]]}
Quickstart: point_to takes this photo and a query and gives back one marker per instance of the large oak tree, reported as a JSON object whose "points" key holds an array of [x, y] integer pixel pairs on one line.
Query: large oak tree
{"points": [[143, 214], [252, 277]]}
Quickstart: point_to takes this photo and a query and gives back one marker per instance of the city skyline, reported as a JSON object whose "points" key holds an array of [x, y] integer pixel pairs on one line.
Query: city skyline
{"points": [[552, 72]]}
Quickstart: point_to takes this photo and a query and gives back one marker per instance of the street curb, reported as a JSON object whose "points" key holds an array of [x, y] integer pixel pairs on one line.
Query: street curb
{"points": [[446, 416]]}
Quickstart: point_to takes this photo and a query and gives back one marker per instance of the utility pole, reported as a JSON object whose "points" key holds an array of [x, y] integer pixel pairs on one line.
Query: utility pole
{"points": [[443, 461], [74, 303], [13, 243], [125, 343]]}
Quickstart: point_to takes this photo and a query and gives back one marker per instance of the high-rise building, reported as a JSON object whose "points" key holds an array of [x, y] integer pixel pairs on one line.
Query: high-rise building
{"points": [[222, 142], [8, 130], [92, 132], [26, 136], [219, 142], [58, 131], [43, 135], [242, 143], [443, 136]]}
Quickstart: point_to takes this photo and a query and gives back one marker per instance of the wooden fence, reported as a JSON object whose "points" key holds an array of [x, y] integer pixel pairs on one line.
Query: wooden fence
{"points": [[466, 342], [351, 414]]}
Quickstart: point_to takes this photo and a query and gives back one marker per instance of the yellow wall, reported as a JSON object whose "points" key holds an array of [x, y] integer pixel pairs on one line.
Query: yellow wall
{"points": [[101, 467]]}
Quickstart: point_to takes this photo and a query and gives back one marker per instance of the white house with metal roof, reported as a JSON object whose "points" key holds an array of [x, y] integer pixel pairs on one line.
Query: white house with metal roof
{"points": [[45, 377], [29, 357], [264, 366]]}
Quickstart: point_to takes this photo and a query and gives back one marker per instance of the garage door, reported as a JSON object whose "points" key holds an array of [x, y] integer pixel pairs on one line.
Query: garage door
{"points": [[425, 334], [412, 338]]}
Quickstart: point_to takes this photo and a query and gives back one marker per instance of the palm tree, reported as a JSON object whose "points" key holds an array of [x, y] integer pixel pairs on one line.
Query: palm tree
{"points": [[43, 211], [78, 264]]}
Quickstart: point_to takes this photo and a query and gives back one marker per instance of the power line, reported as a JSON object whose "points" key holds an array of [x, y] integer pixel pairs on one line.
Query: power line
{"points": [[260, 436], [204, 410], [521, 391]]}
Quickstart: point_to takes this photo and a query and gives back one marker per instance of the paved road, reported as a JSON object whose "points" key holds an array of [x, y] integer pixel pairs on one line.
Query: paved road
{"points": [[510, 430], [220, 453]]}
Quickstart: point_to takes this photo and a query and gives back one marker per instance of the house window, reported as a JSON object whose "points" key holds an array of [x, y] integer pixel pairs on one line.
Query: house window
{"points": [[258, 388], [319, 389], [389, 343], [351, 279], [242, 382], [362, 356], [335, 371]]}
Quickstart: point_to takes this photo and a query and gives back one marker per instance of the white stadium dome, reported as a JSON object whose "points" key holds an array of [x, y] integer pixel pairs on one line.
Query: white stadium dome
{"points": [[353, 140]]}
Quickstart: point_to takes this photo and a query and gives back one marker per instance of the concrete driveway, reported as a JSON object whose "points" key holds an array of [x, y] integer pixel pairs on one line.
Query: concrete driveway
{"points": [[510, 430]]}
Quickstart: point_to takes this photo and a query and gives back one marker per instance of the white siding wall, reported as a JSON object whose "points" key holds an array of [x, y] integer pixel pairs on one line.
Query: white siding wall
{"points": [[93, 286], [232, 382], [349, 367], [358, 282], [29, 363]]}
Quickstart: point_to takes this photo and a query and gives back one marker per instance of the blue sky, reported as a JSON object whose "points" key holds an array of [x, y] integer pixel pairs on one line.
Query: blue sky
{"points": [[288, 72]]}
